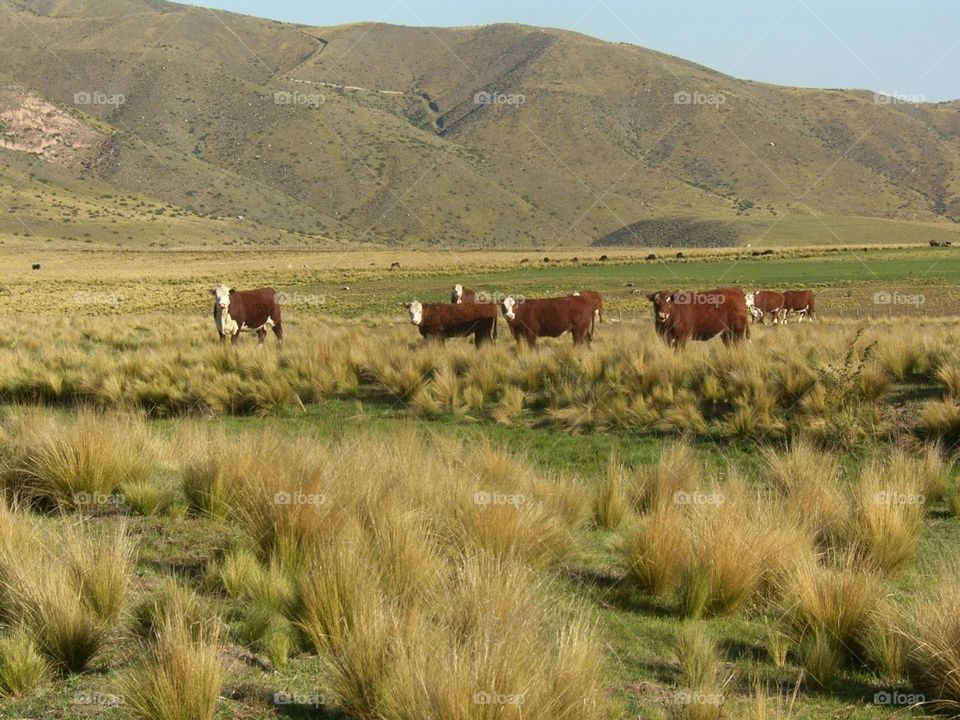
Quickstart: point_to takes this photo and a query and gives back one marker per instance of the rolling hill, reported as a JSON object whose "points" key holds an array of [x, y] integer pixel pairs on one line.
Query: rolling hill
{"points": [[135, 122]]}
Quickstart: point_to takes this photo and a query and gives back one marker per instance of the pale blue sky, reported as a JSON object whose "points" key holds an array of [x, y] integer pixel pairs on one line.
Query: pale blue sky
{"points": [[908, 47]]}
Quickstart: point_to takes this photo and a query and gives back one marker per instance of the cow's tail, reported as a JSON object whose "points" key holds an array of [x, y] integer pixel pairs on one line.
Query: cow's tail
{"points": [[495, 320]]}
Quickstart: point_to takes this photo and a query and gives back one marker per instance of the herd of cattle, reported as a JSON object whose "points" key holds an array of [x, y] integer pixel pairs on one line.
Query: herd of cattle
{"points": [[678, 316]]}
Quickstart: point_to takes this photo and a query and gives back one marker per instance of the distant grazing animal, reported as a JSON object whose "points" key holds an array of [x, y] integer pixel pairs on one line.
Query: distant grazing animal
{"points": [[236, 311], [439, 321], [651, 256], [767, 252], [946, 243], [575, 259], [934, 243], [546, 259], [525, 260], [800, 302], [679, 256], [596, 299], [766, 303], [461, 294], [36, 266], [394, 266], [603, 258], [549, 317], [682, 316]]}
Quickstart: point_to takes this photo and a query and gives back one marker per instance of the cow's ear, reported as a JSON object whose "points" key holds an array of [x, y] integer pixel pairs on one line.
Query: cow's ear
{"points": [[232, 291], [652, 297], [213, 291]]}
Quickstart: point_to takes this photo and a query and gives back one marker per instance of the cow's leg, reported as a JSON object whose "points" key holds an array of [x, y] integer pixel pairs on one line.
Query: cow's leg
{"points": [[235, 337], [223, 339], [278, 331], [261, 336]]}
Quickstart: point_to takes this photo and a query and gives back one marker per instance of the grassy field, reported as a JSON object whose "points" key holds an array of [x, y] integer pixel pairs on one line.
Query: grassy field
{"points": [[619, 532]]}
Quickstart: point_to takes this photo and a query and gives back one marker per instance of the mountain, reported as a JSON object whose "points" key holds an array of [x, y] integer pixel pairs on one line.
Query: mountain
{"points": [[136, 121]]}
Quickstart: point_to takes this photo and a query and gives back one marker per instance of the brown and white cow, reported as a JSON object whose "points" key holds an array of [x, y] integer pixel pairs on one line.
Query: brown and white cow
{"points": [[594, 297], [549, 317], [462, 294], [236, 311], [439, 321], [682, 316], [766, 303], [801, 302]]}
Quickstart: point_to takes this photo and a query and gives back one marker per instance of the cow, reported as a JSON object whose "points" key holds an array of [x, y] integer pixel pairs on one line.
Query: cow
{"points": [[800, 302], [766, 303], [394, 266], [550, 317], [36, 266], [462, 294], [236, 311], [651, 256], [439, 321], [604, 258], [934, 243], [597, 299], [682, 316]]}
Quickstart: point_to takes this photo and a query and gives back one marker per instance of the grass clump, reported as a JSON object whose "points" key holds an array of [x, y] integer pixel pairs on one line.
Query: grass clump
{"points": [[179, 677], [73, 463], [22, 667]]}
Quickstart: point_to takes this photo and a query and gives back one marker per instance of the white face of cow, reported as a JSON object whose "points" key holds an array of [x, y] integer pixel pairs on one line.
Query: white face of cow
{"points": [[751, 307], [458, 292], [226, 325], [415, 309], [508, 308], [222, 295]]}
